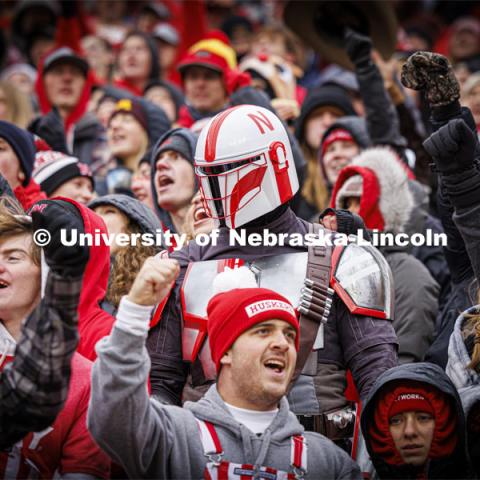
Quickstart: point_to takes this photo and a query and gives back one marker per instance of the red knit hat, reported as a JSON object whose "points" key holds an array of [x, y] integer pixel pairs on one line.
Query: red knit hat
{"points": [[233, 312], [334, 135], [409, 400], [410, 395]]}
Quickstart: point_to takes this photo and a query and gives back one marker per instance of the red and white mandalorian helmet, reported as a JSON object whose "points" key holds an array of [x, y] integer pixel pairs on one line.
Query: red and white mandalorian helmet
{"points": [[244, 164]]}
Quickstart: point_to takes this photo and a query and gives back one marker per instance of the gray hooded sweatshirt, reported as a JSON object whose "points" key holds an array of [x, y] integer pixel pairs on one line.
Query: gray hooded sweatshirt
{"points": [[151, 440]]}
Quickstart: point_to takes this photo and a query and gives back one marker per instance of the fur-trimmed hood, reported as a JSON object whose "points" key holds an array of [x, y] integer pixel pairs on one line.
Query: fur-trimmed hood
{"points": [[386, 202]]}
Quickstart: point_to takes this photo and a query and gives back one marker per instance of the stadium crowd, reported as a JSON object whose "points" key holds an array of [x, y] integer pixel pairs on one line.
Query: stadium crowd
{"points": [[159, 130]]}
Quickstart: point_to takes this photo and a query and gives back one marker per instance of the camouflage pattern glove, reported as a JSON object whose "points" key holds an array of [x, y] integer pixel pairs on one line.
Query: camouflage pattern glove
{"points": [[432, 73]]}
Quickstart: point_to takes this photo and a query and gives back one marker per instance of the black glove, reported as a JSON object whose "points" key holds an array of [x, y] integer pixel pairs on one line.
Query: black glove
{"points": [[50, 128], [53, 216], [431, 72], [348, 223], [452, 147], [358, 47]]}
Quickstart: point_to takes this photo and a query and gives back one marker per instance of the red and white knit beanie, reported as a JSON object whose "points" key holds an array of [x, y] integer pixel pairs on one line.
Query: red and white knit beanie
{"points": [[234, 310]]}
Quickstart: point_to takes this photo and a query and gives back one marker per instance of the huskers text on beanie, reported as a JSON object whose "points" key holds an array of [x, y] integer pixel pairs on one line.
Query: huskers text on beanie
{"points": [[23, 145], [233, 312]]}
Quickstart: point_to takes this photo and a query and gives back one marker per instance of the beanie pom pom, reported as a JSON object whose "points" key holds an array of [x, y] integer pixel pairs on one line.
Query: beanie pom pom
{"points": [[232, 278]]}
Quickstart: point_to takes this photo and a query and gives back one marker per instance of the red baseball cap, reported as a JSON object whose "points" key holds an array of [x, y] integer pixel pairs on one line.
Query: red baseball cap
{"points": [[205, 59]]}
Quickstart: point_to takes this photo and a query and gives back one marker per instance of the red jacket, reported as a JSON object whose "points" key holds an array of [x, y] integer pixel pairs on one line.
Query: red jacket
{"points": [[64, 447], [94, 323]]}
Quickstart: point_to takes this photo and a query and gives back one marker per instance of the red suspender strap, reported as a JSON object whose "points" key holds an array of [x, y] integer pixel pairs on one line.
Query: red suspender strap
{"points": [[298, 458], [223, 471], [213, 434], [210, 441]]}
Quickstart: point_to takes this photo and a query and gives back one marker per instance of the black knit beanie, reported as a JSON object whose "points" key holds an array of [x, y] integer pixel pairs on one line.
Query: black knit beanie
{"points": [[323, 96], [23, 145], [178, 144], [53, 169]]}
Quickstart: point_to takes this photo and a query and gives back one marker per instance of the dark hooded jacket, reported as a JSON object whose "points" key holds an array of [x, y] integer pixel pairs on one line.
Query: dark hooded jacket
{"points": [[191, 140], [454, 466], [459, 214], [471, 403], [463, 287], [432, 256]]}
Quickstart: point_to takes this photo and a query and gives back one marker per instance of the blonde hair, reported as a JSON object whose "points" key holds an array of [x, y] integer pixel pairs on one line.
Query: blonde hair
{"points": [[314, 189], [14, 221], [19, 108]]}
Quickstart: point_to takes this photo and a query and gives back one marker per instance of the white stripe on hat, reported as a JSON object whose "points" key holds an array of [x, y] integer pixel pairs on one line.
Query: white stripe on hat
{"points": [[51, 168]]}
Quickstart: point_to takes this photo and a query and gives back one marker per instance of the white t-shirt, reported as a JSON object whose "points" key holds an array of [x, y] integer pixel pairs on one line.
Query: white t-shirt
{"points": [[254, 420]]}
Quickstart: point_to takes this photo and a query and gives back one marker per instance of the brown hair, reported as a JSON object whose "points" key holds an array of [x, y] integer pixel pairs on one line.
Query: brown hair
{"points": [[14, 221], [126, 265], [19, 109], [293, 45]]}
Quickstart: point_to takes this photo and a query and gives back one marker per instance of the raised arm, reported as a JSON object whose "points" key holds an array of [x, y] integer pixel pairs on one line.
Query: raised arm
{"points": [[382, 119], [121, 417], [34, 387]]}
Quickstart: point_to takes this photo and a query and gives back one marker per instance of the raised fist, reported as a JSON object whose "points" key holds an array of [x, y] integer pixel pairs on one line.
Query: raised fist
{"points": [[54, 216], [153, 281], [358, 47], [452, 147], [431, 73]]}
